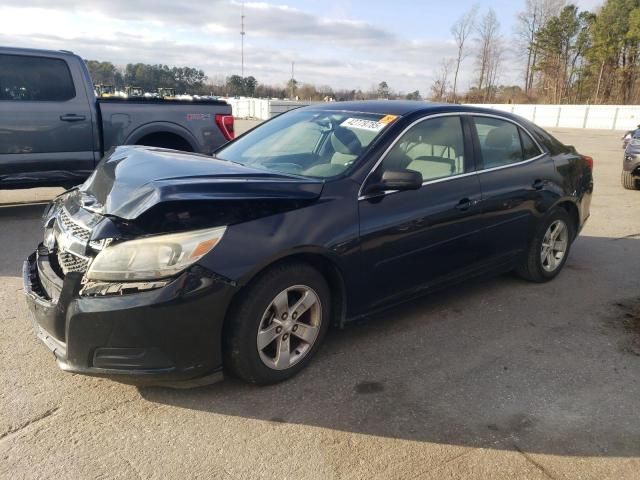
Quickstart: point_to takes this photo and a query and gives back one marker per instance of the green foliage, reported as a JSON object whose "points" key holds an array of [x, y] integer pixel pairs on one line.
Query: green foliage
{"points": [[238, 86], [152, 77], [149, 77], [383, 90], [105, 73]]}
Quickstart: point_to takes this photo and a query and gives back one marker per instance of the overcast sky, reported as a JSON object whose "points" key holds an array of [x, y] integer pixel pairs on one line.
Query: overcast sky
{"points": [[342, 43]]}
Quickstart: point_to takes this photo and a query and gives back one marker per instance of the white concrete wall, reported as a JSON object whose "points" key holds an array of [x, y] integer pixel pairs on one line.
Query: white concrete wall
{"points": [[608, 117], [250, 107]]}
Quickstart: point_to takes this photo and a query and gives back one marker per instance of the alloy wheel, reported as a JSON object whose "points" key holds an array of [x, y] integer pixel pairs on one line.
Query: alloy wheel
{"points": [[554, 246], [289, 327]]}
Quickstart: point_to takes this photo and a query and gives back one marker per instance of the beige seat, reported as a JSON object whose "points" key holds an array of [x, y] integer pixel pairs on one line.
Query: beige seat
{"points": [[433, 168], [347, 148]]}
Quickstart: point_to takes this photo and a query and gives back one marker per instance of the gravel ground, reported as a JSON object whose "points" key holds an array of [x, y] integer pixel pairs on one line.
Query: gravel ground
{"points": [[493, 379]]}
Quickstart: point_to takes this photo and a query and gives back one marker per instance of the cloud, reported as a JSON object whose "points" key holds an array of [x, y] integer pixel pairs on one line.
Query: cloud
{"points": [[262, 19], [335, 51]]}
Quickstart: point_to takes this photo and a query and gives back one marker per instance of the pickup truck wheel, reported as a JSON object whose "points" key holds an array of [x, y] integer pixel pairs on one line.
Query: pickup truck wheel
{"points": [[279, 324], [629, 181], [549, 248]]}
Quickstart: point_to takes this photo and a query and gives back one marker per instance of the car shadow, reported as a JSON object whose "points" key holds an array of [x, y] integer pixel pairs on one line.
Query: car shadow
{"points": [[20, 232], [496, 363]]}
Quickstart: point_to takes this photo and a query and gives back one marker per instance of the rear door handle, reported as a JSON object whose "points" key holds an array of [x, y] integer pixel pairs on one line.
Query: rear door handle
{"points": [[72, 117], [539, 184]]}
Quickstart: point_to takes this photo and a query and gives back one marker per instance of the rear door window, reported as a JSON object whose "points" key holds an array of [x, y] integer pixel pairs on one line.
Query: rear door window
{"points": [[499, 142], [35, 79]]}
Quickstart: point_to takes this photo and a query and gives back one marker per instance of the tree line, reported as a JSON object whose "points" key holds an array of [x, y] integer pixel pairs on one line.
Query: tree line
{"points": [[569, 55], [562, 55]]}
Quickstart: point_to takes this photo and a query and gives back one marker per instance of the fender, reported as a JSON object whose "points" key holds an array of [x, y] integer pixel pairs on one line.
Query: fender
{"points": [[163, 127], [324, 260]]}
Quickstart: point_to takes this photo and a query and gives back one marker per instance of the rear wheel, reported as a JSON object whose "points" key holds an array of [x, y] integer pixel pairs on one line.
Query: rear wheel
{"points": [[549, 248], [629, 181], [275, 330], [165, 140]]}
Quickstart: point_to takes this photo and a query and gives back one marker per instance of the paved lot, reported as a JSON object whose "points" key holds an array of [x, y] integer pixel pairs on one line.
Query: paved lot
{"points": [[497, 379]]}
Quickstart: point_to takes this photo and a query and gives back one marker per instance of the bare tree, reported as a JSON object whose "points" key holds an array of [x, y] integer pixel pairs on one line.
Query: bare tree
{"points": [[534, 17], [493, 67], [440, 86], [488, 31], [461, 30]]}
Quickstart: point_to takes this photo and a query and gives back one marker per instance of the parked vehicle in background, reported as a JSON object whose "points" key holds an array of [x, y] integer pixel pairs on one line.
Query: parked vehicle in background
{"points": [[631, 164], [628, 136], [105, 91], [168, 266], [134, 92], [166, 92], [53, 129]]}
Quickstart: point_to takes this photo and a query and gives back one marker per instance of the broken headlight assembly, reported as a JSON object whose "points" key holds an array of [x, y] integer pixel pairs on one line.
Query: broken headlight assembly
{"points": [[154, 257]]}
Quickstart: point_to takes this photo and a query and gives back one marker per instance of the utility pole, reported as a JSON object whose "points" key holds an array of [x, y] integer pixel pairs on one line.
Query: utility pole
{"points": [[242, 34], [293, 80]]}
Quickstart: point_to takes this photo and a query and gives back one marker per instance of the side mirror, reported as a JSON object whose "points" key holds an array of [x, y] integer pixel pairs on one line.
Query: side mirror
{"points": [[396, 180]]}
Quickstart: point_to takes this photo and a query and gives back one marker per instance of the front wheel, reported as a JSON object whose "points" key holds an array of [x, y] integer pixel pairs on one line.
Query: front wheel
{"points": [[629, 181], [279, 324], [549, 248]]}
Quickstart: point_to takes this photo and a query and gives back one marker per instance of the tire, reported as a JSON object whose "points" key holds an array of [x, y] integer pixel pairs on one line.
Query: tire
{"points": [[629, 181], [258, 311], [533, 268]]}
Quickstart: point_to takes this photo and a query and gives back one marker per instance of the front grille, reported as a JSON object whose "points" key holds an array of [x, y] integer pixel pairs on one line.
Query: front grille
{"points": [[68, 224], [72, 263]]}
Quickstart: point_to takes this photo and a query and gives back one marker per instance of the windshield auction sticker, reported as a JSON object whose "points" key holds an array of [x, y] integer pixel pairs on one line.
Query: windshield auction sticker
{"points": [[388, 119], [359, 123]]}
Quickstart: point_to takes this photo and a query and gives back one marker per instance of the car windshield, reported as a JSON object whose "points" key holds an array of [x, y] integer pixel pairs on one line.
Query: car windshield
{"points": [[311, 143]]}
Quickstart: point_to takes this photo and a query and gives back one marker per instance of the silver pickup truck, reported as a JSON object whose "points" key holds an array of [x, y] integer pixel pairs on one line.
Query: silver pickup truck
{"points": [[54, 131]]}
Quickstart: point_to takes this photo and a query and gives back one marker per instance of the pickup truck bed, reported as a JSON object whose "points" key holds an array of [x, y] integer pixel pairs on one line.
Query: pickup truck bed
{"points": [[54, 131]]}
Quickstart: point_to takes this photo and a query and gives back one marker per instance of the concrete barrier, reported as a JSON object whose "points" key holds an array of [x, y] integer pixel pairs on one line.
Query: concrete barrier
{"points": [[606, 117]]}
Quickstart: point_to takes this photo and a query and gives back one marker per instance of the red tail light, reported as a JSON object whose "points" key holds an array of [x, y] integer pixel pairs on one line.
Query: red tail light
{"points": [[225, 124], [589, 161]]}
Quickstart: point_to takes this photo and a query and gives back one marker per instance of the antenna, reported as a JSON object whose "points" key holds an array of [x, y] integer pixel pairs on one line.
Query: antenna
{"points": [[242, 34]]}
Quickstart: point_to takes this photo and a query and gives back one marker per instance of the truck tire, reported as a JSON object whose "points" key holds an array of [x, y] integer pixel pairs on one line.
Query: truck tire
{"points": [[629, 181], [165, 140]]}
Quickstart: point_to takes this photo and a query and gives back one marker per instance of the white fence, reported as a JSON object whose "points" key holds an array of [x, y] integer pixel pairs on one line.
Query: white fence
{"points": [[608, 117]]}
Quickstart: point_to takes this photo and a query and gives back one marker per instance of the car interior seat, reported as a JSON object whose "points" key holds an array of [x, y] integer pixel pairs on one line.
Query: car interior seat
{"points": [[346, 147], [499, 147]]}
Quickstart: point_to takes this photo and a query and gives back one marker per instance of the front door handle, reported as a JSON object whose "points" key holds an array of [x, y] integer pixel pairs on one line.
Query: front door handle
{"points": [[72, 117], [538, 184], [465, 204]]}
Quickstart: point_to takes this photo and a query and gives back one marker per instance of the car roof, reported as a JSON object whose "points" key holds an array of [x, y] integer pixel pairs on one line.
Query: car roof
{"points": [[35, 51], [403, 107]]}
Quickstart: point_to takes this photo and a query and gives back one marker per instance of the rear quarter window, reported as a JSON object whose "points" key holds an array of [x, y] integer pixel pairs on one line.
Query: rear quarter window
{"points": [[555, 146], [35, 79]]}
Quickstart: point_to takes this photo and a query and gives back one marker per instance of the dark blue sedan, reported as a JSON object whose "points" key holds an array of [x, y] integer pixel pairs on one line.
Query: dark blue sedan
{"points": [[168, 267]]}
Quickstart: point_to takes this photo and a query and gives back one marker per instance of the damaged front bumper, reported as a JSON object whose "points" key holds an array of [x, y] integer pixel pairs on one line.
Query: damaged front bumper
{"points": [[169, 334]]}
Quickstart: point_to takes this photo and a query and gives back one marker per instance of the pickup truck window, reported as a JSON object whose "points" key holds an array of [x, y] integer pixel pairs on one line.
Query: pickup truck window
{"points": [[39, 79]]}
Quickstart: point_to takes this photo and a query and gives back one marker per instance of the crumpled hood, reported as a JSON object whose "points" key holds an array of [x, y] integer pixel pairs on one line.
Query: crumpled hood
{"points": [[132, 179]]}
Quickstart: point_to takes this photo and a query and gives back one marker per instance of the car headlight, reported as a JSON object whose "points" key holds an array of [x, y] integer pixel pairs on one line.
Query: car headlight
{"points": [[154, 257]]}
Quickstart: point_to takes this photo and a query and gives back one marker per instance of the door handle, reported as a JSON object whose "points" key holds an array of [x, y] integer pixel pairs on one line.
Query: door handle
{"points": [[72, 117], [465, 204], [538, 184]]}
